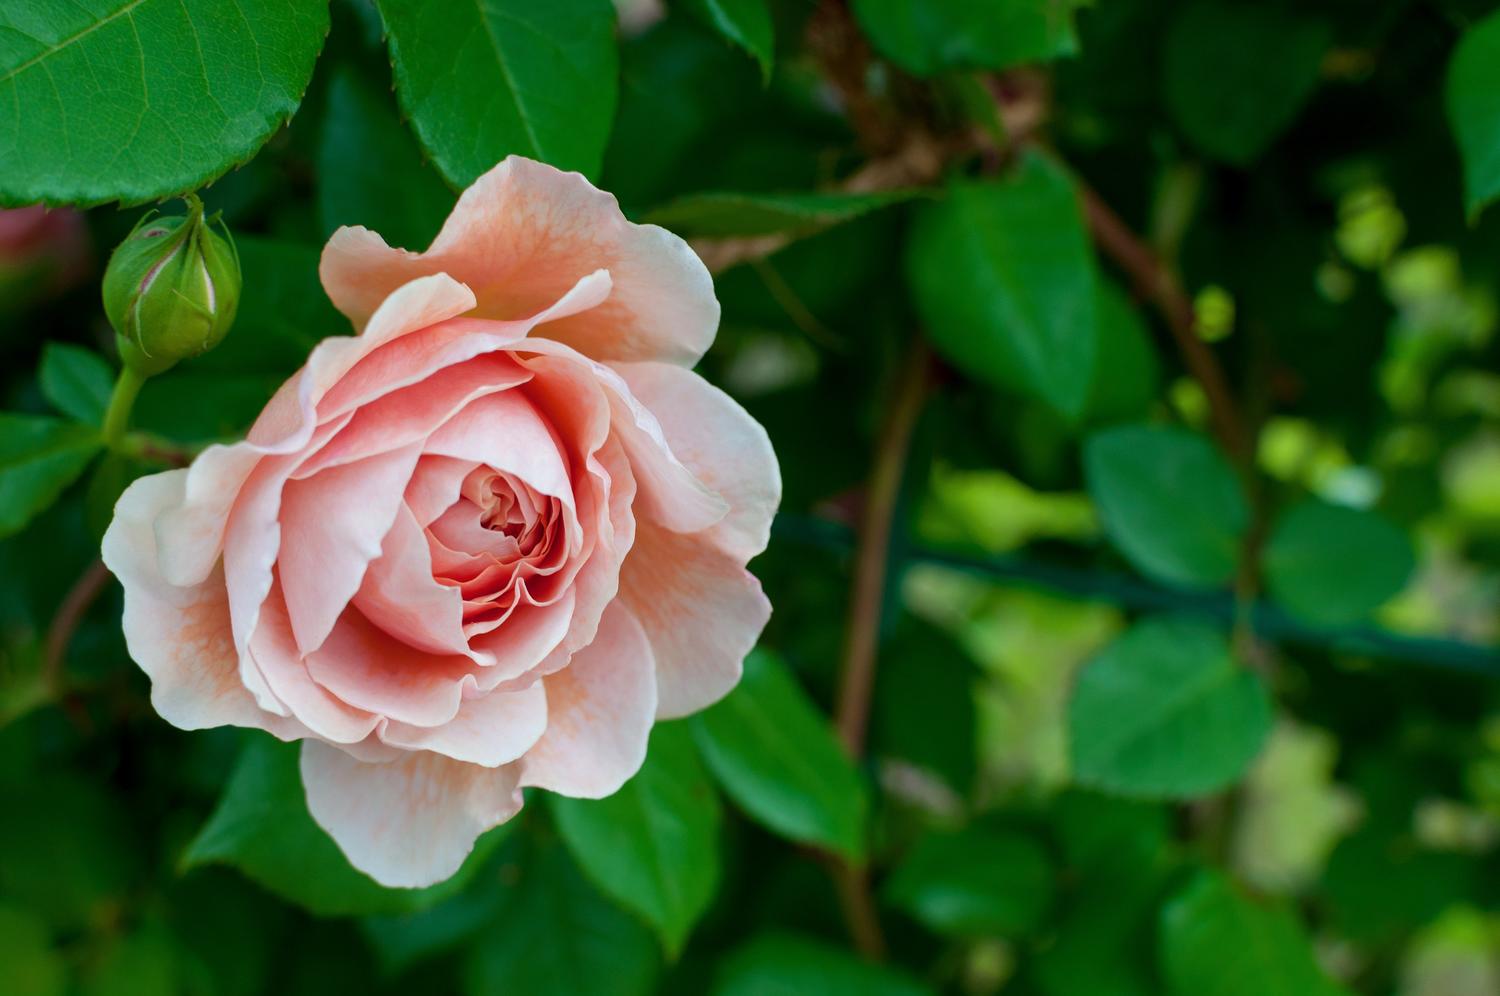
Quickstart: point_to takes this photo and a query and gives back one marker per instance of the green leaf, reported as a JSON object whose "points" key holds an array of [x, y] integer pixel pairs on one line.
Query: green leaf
{"points": [[1169, 502], [1230, 99], [653, 845], [745, 23], [403, 940], [485, 79], [1127, 373], [1166, 711], [935, 36], [32, 966], [1215, 940], [1474, 111], [720, 215], [134, 100], [370, 170], [77, 381], [776, 756], [39, 457], [1003, 279], [784, 965], [555, 934], [1334, 565], [262, 827], [976, 882]]}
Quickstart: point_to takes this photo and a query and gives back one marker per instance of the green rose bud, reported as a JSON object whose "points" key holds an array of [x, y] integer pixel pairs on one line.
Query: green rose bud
{"points": [[171, 289]]}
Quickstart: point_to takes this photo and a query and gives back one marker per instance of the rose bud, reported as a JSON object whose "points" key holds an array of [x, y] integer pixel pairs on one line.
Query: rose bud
{"points": [[171, 289]]}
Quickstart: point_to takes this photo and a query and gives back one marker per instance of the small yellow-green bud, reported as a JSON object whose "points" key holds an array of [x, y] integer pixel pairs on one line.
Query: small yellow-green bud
{"points": [[171, 289]]}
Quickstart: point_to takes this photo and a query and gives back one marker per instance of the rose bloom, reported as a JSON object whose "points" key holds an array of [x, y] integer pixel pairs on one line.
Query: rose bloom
{"points": [[482, 545]]}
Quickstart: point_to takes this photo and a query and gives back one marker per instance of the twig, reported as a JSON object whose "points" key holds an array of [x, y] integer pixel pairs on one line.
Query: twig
{"points": [[1156, 283], [75, 605], [872, 551], [866, 606]]}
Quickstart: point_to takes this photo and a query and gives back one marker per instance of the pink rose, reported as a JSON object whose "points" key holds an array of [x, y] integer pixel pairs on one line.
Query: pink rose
{"points": [[482, 545]]}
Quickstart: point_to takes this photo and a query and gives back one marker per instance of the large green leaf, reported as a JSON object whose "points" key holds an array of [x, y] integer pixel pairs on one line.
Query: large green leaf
{"points": [[975, 882], [77, 381], [1230, 98], [484, 79], [555, 934], [1215, 940], [137, 99], [653, 845], [1004, 282], [1169, 502], [1166, 711], [934, 36], [1474, 110], [746, 23], [784, 965], [370, 170], [262, 827], [1332, 565], [39, 457], [776, 756], [727, 214]]}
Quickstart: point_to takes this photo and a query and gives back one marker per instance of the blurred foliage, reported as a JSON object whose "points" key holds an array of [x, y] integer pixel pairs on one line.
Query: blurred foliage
{"points": [[1153, 712]]}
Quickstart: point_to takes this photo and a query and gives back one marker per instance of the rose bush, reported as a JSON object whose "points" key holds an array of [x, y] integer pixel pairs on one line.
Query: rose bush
{"points": [[483, 544]]}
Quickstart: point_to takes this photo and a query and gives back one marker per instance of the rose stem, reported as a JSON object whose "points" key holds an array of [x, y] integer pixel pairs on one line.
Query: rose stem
{"points": [[121, 401], [866, 608]]}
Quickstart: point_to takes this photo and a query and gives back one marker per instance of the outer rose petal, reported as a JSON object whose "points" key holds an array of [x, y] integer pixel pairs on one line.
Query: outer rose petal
{"points": [[701, 610], [720, 443], [179, 636], [409, 822], [523, 234], [599, 713]]}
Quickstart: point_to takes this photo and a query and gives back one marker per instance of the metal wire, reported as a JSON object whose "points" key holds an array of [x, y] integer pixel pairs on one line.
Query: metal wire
{"points": [[1269, 620]]}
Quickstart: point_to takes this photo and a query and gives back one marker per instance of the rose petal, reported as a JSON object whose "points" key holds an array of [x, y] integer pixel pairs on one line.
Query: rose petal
{"points": [[409, 822], [701, 610], [332, 526], [190, 535], [599, 713], [720, 443], [492, 728], [401, 597], [521, 235], [179, 636], [273, 652], [363, 666]]}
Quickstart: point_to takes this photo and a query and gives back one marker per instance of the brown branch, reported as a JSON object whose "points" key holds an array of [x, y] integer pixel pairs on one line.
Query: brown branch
{"points": [[872, 551], [75, 605], [1154, 282], [866, 607]]}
